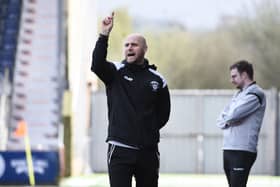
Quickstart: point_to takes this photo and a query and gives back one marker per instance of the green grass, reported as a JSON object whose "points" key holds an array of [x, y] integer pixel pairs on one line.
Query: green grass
{"points": [[174, 180]]}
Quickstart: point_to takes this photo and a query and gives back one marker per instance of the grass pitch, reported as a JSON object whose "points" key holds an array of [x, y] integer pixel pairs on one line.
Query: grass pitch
{"points": [[174, 180]]}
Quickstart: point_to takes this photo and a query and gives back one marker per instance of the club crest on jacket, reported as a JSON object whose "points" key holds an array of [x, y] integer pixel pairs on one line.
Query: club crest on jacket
{"points": [[154, 85]]}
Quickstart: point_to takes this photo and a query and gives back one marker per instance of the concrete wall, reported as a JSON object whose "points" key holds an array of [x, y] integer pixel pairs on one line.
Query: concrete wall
{"points": [[190, 142]]}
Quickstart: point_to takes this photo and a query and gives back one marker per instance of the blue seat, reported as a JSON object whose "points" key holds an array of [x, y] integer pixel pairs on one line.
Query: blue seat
{"points": [[7, 58], [3, 11], [9, 38], [13, 16], [10, 31], [9, 48], [11, 22], [1, 66], [14, 4], [15, 1]]}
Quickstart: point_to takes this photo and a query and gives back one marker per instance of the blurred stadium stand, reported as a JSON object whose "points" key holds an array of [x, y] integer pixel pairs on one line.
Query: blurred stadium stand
{"points": [[27, 27], [10, 11]]}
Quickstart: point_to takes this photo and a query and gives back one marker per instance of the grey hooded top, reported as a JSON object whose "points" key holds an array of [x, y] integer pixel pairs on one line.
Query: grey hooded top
{"points": [[242, 118]]}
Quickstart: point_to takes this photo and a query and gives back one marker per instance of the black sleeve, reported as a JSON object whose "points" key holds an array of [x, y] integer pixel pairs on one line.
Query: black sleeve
{"points": [[163, 106], [99, 65]]}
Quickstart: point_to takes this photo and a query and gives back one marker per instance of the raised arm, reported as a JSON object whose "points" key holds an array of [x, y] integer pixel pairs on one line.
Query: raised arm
{"points": [[103, 69]]}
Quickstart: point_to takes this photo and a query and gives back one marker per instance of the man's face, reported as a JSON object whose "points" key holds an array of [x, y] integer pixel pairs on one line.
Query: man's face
{"points": [[237, 79], [134, 49]]}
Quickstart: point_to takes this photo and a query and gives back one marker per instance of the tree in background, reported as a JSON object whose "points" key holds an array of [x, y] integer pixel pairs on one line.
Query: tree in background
{"points": [[259, 35], [214, 54], [171, 51], [201, 60]]}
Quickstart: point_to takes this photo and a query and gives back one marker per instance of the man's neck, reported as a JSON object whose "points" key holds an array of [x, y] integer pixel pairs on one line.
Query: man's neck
{"points": [[140, 62], [248, 83]]}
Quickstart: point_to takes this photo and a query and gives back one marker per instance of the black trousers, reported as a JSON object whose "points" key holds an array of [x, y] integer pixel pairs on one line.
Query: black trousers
{"points": [[237, 166], [124, 163]]}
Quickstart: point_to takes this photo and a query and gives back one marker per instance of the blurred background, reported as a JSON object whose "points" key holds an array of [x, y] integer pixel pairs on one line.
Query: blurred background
{"points": [[45, 80]]}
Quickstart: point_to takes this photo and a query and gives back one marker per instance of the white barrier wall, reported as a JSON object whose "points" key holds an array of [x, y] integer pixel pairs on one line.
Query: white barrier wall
{"points": [[190, 142]]}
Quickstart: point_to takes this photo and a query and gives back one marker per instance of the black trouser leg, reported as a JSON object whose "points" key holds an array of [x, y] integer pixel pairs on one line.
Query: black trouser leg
{"points": [[237, 166], [147, 170], [227, 169], [121, 163], [124, 163]]}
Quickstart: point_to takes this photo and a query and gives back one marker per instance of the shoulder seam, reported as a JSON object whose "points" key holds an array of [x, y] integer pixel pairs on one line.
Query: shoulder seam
{"points": [[118, 65], [161, 77], [259, 97]]}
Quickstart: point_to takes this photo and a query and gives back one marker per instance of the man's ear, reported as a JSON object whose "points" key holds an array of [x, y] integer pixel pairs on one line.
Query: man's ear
{"points": [[244, 75], [146, 49]]}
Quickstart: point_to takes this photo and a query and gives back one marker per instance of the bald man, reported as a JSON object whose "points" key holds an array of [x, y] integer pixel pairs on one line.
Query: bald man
{"points": [[138, 107]]}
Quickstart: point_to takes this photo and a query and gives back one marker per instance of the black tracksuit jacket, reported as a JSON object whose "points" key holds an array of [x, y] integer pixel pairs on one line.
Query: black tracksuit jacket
{"points": [[137, 96]]}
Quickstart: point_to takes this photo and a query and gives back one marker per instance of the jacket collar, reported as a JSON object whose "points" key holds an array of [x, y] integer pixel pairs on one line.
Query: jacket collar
{"points": [[254, 82], [136, 67]]}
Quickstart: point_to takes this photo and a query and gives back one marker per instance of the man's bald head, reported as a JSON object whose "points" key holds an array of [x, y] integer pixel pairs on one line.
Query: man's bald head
{"points": [[139, 37], [135, 47]]}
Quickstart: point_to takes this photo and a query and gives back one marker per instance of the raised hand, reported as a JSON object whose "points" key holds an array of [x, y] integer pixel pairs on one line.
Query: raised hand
{"points": [[107, 24]]}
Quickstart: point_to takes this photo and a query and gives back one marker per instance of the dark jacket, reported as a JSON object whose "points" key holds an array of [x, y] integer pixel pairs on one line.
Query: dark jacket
{"points": [[137, 97]]}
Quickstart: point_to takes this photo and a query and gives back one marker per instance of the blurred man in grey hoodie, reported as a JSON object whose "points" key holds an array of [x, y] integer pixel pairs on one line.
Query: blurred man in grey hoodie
{"points": [[241, 122]]}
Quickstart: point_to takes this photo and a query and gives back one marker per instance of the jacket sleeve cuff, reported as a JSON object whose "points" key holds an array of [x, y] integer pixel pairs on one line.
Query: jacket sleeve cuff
{"points": [[103, 37]]}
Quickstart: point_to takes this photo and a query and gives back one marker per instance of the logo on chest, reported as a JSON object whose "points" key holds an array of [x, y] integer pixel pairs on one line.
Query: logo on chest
{"points": [[154, 85], [128, 78]]}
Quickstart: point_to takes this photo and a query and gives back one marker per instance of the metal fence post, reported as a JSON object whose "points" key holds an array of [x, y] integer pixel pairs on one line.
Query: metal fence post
{"points": [[277, 135]]}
